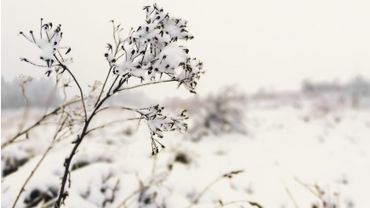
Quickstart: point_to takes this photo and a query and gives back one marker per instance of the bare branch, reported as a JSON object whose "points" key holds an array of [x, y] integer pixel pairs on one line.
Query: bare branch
{"points": [[38, 122], [77, 83], [102, 88], [229, 175], [112, 122], [58, 130], [146, 84]]}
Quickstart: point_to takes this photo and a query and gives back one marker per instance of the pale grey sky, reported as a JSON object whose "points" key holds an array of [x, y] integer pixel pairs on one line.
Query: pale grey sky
{"points": [[269, 43]]}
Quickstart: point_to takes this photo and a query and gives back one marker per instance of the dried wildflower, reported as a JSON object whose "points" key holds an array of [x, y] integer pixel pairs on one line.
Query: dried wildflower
{"points": [[151, 51], [48, 40], [148, 53], [158, 123]]}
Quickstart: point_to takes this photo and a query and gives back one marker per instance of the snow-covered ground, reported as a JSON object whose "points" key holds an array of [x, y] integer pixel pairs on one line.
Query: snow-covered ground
{"points": [[291, 156]]}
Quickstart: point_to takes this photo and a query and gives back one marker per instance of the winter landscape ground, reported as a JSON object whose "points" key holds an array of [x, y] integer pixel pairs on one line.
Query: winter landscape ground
{"points": [[296, 151]]}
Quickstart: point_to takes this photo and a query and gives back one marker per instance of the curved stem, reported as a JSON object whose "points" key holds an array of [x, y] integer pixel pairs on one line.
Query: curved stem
{"points": [[81, 92], [77, 83], [112, 122], [195, 200], [252, 203], [148, 83], [118, 107], [229, 175], [102, 89]]}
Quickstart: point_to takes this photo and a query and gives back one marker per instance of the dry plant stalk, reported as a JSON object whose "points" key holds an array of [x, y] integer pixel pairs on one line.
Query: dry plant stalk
{"points": [[228, 175], [150, 53]]}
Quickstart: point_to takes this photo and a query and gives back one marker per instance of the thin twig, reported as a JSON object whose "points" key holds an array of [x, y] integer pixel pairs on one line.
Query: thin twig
{"points": [[125, 200], [77, 83], [114, 82], [102, 88], [68, 160], [37, 123], [295, 204], [143, 187], [81, 92], [114, 190], [252, 203], [307, 187], [118, 107], [26, 108], [145, 84], [58, 130], [110, 123], [195, 200], [228, 175]]}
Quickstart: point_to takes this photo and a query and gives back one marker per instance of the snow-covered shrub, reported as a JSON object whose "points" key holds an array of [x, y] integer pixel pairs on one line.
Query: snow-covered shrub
{"points": [[218, 114], [354, 93], [149, 54]]}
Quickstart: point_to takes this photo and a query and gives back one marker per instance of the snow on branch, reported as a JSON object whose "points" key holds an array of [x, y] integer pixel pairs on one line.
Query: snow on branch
{"points": [[151, 50], [48, 40], [150, 53]]}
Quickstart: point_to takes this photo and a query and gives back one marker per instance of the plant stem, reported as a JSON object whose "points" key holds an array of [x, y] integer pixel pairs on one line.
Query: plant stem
{"points": [[77, 142], [59, 129], [80, 89], [37, 123], [68, 161], [148, 83], [77, 83], [102, 89]]}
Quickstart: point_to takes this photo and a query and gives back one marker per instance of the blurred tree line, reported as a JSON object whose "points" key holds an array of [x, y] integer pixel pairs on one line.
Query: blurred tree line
{"points": [[355, 92], [19, 93]]}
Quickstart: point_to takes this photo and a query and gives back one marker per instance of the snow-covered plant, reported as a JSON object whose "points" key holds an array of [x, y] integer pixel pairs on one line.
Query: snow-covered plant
{"points": [[159, 123], [51, 51], [218, 114], [150, 53], [151, 50]]}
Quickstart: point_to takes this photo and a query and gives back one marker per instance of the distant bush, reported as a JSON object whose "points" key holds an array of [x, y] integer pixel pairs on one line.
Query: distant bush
{"points": [[217, 114], [356, 92]]}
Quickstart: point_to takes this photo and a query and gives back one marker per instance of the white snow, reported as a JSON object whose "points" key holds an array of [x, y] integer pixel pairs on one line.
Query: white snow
{"points": [[286, 148]]}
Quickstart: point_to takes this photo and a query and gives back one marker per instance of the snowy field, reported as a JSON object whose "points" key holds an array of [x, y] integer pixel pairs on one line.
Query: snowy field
{"points": [[290, 156]]}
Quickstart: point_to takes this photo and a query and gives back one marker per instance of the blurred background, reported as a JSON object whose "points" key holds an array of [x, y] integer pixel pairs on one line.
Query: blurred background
{"points": [[283, 108]]}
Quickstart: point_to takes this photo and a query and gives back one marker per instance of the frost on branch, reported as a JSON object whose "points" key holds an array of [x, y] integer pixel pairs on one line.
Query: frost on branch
{"points": [[159, 123], [151, 51], [48, 40]]}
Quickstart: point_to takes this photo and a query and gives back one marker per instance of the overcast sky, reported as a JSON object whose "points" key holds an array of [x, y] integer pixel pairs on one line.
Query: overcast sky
{"points": [[251, 43]]}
